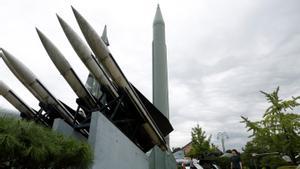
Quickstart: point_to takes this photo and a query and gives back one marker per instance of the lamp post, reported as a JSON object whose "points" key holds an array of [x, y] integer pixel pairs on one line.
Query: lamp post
{"points": [[222, 136]]}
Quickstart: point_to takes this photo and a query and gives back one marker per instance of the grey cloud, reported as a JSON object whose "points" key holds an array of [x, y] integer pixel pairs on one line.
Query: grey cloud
{"points": [[220, 54]]}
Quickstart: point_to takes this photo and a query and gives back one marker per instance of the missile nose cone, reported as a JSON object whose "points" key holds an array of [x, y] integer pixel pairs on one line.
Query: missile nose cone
{"points": [[77, 43], [158, 19], [18, 68], [60, 20], [58, 17], [83, 24], [55, 55], [95, 42], [62, 23], [76, 13]]}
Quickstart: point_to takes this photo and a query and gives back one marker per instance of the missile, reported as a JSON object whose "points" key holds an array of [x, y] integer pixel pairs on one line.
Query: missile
{"points": [[31, 82], [105, 58], [87, 58], [21, 72], [19, 104], [13, 99], [67, 72]]}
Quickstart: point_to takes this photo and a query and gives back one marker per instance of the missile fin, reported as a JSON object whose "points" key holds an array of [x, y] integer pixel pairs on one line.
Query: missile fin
{"points": [[104, 36]]}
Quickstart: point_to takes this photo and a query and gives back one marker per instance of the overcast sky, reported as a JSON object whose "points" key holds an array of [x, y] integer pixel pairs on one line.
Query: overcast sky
{"points": [[220, 54]]}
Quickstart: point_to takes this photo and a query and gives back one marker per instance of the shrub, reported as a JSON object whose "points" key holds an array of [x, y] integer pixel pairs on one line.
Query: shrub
{"points": [[25, 144], [223, 162]]}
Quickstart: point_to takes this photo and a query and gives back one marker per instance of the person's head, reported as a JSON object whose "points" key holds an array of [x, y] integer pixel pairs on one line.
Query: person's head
{"points": [[234, 152], [228, 151]]}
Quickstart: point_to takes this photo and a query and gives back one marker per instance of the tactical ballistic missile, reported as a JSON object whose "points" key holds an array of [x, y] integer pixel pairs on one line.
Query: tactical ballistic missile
{"points": [[67, 72], [87, 58], [31, 82], [105, 58], [13, 99]]}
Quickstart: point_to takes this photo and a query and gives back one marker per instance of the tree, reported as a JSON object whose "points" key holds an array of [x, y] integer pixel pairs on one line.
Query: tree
{"points": [[200, 143], [279, 129], [26, 144]]}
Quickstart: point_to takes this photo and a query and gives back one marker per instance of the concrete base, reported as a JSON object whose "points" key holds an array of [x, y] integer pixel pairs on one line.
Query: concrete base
{"points": [[112, 149], [161, 160], [64, 128]]}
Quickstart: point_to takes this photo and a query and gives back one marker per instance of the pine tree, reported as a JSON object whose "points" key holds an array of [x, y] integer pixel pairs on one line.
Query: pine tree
{"points": [[200, 142], [26, 144]]}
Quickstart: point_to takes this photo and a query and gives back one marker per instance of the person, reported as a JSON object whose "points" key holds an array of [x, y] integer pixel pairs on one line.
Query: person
{"points": [[183, 165], [235, 160]]}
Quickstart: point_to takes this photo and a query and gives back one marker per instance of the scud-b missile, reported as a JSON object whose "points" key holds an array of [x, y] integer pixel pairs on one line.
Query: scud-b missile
{"points": [[106, 59], [86, 100], [55, 108]]}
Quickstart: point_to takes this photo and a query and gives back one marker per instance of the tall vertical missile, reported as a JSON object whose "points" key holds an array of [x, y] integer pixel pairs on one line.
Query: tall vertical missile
{"points": [[159, 66]]}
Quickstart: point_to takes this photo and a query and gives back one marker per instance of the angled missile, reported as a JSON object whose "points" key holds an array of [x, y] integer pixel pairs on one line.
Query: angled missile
{"points": [[105, 58], [26, 111], [67, 72], [13, 99], [87, 58], [30, 81], [21, 72]]}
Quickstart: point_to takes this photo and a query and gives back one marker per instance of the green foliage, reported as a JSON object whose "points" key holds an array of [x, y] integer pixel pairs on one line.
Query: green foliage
{"points": [[272, 161], [287, 167], [279, 129], [223, 162], [200, 143], [25, 144], [250, 148]]}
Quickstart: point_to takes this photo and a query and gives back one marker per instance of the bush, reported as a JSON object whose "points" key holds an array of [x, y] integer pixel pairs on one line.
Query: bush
{"points": [[272, 161], [26, 144], [223, 162]]}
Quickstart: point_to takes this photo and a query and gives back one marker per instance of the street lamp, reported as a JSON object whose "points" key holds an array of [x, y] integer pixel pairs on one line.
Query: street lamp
{"points": [[222, 135]]}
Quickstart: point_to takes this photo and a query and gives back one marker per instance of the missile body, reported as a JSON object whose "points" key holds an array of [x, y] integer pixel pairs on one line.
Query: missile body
{"points": [[105, 58], [87, 58], [13, 99], [67, 72], [30, 81], [160, 66]]}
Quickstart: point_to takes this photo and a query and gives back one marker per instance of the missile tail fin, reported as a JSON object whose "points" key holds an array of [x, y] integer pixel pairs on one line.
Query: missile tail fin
{"points": [[104, 36]]}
